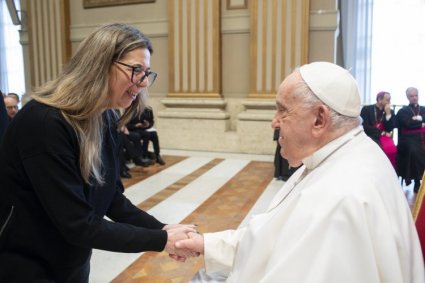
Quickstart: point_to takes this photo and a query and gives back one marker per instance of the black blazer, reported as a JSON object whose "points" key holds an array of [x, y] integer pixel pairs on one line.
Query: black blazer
{"points": [[50, 219]]}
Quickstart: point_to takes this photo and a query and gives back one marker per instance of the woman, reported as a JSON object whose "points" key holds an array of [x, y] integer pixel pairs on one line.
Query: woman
{"points": [[59, 169]]}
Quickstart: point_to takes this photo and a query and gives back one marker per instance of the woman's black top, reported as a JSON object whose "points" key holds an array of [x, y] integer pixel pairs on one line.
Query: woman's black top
{"points": [[50, 219]]}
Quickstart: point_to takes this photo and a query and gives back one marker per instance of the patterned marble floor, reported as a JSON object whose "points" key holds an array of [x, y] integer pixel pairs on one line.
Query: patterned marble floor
{"points": [[213, 190]]}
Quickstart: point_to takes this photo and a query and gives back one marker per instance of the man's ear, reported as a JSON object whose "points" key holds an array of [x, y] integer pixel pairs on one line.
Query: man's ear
{"points": [[322, 119]]}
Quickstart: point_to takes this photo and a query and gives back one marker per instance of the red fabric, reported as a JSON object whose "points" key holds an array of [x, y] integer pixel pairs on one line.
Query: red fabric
{"points": [[410, 131], [420, 226], [388, 146]]}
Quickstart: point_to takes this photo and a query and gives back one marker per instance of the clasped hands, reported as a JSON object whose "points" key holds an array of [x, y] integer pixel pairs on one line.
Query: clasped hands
{"points": [[417, 118], [143, 125], [388, 134], [183, 241]]}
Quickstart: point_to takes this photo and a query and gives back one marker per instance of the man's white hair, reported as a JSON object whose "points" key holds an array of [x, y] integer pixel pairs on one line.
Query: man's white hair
{"points": [[309, 99]]}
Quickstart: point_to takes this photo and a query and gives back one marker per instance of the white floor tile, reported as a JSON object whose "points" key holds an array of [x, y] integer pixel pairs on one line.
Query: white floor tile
{"points": [[185, 201], [107, 265], [156, 183]]}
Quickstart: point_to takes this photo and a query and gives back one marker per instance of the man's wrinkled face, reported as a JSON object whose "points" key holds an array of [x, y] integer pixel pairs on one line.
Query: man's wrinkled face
{"points": [[11, 106], [294, 120], [387, 99], [412, 96]]}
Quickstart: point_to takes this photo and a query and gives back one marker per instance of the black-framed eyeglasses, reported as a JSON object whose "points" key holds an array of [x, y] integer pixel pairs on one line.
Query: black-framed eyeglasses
{"points": [[137, 71]]}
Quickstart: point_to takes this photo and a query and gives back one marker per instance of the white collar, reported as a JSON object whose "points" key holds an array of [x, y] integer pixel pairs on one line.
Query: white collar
{"points": [[320, 155]]}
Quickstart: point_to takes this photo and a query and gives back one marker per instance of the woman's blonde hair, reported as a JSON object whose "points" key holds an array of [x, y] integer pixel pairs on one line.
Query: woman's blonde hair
{"points": [[82, 91]]}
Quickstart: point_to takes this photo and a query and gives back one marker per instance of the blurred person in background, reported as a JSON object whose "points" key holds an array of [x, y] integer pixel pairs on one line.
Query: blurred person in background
{"points": [[411, 140], [379, 122]]}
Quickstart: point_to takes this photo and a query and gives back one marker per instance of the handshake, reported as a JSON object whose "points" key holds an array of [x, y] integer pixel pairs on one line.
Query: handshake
{"points": [[183, 241]]}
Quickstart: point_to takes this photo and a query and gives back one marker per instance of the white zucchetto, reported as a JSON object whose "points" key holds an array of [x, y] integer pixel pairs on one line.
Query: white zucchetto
{"points": [[334, 86]]}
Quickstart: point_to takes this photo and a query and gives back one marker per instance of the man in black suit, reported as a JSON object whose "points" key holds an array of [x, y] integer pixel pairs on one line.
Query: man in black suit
{"points": [[143, 126], [379, 122], [411, 139]]}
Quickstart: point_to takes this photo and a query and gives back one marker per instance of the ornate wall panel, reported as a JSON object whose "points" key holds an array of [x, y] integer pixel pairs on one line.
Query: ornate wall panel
{"points": [[194, 48], [279, 42], [49, 48]]}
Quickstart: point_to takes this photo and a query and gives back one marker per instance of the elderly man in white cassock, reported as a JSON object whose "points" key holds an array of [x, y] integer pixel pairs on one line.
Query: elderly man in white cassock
{"points": [[342, 217]]}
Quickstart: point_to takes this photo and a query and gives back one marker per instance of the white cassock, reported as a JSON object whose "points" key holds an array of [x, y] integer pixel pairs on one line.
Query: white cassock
{"points": [[345, 219]]}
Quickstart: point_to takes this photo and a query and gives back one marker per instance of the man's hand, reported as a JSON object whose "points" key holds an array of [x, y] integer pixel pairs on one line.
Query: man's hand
{"points": [[175, 233], [143, 125], [387, 109], [417, 118], [388, 134], [195, 243]]}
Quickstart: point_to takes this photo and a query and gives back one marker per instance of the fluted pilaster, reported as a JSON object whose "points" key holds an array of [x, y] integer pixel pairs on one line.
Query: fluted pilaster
{"points": [[194, 48], [279, 42], [49, 48]]}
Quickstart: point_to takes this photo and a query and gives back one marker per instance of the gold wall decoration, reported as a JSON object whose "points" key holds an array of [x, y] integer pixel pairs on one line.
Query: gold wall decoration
{"points": [[105, 3]]}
